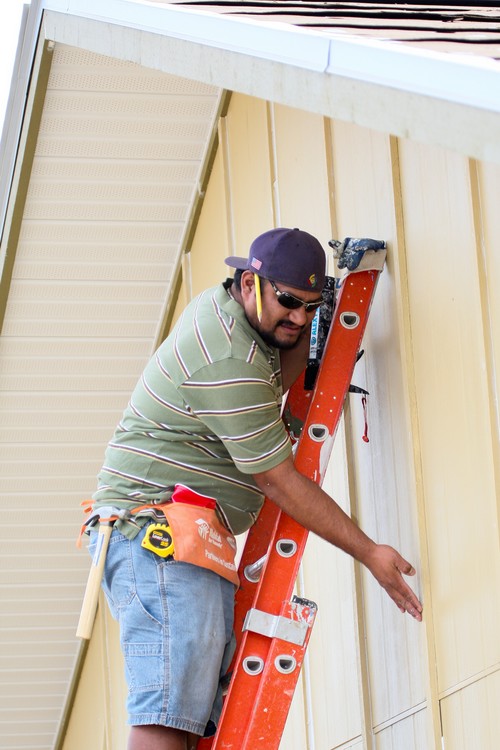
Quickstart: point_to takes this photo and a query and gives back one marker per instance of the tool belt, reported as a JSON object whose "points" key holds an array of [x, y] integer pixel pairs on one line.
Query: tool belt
{"points": [[197, 535]]}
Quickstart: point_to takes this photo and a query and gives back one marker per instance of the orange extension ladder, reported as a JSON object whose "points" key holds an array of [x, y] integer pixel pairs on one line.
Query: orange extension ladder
{"points": [[272, 626]]}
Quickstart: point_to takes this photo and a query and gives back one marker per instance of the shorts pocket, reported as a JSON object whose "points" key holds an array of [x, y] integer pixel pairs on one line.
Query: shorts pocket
{"points": [[143, 649]]}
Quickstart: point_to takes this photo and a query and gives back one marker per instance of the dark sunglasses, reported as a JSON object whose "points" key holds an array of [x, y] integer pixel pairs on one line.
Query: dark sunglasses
{"points": [[293, 303]]}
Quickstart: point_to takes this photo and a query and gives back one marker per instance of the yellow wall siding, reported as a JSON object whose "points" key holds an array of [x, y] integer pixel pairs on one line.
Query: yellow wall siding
{"points": [[328, 578], [382, 469], [488, 228], [182, 300], [302, 198], [115, 683], [91, 697], [427, 482], [453, 412], [210, 244], [471, 718], [245, 149], [301, 189], [98, 718], [404, 732], [295, 734]]}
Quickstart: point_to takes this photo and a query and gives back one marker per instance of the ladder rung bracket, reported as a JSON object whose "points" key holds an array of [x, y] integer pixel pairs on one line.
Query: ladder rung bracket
{"points": [[275, 626], [292, 627]]}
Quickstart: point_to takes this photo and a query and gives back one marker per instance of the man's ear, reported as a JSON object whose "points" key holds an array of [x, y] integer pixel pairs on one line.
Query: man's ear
{"points": [[247, 284]]}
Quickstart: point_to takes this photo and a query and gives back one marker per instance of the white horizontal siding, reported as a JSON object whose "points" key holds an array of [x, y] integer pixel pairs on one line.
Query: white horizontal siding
{"points": [[115, 172]]}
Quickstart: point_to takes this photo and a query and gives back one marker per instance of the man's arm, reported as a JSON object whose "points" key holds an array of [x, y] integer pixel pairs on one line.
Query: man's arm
{"points": [[311, 507]]}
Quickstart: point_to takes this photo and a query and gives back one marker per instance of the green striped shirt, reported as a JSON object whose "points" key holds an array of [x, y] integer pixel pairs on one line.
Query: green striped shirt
{"points": [[205, 413]]}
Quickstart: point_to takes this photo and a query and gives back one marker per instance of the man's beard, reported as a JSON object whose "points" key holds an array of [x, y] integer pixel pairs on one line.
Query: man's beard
{"points": [[270, 338]]}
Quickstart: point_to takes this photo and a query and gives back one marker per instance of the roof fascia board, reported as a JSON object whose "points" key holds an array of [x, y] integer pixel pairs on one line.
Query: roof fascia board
{"points": [[473, 81], [463, 79], [278, 42], [470, 130]]}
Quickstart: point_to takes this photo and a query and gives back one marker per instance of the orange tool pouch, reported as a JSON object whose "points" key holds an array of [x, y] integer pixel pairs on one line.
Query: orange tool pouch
{"points": [[199, 537]]}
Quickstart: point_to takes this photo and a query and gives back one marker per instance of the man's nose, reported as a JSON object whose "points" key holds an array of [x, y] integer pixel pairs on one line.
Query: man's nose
{"points": [[298, 316]]}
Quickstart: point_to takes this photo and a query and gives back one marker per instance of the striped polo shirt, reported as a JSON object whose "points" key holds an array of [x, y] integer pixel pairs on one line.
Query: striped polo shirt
{"points": [[205, 413]]}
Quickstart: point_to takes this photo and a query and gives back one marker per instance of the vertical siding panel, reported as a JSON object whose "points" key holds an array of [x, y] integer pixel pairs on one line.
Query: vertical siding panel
{"points": [[301, 171], [454, 412], [333, 656], [294, 736], [303, 200], [471, 719], [432, 716], [114, 669], [90, 699], [383, 469], [227, 218], [249, 168], [211, 244], [486, 181], [406, 732], [181, 302]]}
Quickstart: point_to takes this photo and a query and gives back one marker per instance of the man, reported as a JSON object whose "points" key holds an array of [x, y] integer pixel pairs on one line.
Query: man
{"points": [[206, 415]]}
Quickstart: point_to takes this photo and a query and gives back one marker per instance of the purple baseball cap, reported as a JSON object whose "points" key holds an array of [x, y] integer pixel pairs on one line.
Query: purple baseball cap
{"points": [[290, 256]]}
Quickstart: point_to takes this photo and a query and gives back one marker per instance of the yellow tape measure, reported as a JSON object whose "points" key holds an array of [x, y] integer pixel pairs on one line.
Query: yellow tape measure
{"points": [[158, 539]]}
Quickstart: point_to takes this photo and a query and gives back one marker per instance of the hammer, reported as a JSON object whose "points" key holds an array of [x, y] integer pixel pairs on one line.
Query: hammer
{"points": [[106, 517]]}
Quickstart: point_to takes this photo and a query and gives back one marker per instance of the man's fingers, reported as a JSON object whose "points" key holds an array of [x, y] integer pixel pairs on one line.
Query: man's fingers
{"points": [[409, 604], [405, 567], [404, 596], [388, 567], [413, 607], [415, 612]]}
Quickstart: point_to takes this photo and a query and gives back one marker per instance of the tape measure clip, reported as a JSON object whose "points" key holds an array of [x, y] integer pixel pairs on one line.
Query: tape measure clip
{"points": [[158, 538]]}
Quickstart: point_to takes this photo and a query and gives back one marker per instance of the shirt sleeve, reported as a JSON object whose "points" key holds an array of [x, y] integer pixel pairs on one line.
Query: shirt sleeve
{"points": [[242, 408]]}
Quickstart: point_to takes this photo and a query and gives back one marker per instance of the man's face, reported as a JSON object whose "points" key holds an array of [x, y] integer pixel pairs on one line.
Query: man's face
{"points": [[278, 326]]}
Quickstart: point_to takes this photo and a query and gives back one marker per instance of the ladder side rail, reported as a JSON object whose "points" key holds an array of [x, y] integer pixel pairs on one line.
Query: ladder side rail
{"points": [[249, 696], [259, 538], [261, 534], [258, 542], [323, 418]]}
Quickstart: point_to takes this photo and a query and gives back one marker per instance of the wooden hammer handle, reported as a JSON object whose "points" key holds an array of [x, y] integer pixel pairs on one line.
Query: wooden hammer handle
{"points": [[91, 596]]}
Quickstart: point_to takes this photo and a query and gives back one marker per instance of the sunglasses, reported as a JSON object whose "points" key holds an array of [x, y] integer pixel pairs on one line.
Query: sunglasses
{"points": [[293, 303]]}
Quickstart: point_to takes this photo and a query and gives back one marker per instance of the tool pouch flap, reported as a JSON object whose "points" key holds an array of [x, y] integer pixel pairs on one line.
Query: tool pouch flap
{"points": [[199, 537]]}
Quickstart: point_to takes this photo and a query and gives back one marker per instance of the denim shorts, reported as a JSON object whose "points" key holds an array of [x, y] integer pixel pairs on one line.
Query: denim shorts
{"points": [[176, 634]]}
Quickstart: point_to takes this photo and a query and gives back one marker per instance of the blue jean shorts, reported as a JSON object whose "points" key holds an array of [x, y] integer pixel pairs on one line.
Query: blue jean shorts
{"points": [[176, 634]]}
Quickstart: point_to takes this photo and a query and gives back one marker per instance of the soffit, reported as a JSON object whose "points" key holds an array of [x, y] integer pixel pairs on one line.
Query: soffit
{"points": [[116, 172], [426, 73]]}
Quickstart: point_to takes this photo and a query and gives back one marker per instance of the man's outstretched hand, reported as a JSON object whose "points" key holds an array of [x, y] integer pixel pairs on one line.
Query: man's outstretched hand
{"points": [[311, 507], [388, 567]]}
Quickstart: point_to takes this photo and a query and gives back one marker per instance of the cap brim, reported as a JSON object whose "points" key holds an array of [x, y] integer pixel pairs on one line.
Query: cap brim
{"points": [[236, 262]]}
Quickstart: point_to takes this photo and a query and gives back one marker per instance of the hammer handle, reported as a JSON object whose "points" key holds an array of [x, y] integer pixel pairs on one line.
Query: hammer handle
{"points": [[91, 596]]}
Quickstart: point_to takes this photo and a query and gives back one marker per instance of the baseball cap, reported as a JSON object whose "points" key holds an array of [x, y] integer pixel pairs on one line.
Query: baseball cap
{"points": [[289, 256]]}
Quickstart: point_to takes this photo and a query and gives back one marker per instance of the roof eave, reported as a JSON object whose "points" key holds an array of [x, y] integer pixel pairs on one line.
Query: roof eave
{"points": [[441, 99]]}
